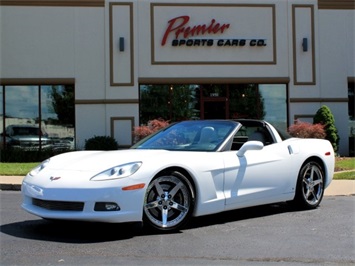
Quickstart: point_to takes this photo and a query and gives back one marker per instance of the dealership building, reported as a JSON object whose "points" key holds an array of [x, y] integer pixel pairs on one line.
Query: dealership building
{"points": [[85, 68]]}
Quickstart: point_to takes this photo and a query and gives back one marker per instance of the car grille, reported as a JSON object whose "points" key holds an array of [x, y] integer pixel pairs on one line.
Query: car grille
{"points": [[33, 143], [59, 205]]}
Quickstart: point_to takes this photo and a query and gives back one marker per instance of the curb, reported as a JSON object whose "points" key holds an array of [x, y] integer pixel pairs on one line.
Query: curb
{"points": [[337, 188]]}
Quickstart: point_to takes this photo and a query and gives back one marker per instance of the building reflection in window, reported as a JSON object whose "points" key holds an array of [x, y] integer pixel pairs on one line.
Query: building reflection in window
{"points": [[214, 101], [37, 118]]}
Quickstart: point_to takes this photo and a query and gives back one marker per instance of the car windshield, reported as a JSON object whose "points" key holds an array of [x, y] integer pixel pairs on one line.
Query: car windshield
{"points": [[197, 135], [23, 131]]}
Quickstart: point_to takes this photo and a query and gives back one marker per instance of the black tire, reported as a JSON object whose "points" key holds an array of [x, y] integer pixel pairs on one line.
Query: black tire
{"points": [[169, 202], [310, 186]]}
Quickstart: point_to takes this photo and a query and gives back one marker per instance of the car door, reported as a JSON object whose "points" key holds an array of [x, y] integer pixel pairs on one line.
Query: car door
{"points": [[259, 177]]}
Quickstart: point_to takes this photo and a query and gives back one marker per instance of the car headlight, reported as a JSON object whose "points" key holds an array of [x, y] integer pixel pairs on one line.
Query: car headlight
{"points": [[119, 171], [39, 168]]}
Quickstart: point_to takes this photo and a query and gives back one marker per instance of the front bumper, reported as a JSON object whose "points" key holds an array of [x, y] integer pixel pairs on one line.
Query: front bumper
{"points": [[58, 203]]}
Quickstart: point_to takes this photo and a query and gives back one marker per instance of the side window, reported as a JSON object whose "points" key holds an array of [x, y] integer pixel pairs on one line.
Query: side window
{"points": [[261, 134], [240, 138], [258, 133]]}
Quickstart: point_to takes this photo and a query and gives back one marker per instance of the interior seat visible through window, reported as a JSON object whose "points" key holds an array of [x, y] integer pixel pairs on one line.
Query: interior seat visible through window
{"points": [[254, 130]]}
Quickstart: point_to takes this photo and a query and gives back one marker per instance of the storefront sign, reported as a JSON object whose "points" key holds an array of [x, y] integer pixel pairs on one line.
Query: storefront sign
{"points": [[186, 35], [179, 27], [213, 34]]}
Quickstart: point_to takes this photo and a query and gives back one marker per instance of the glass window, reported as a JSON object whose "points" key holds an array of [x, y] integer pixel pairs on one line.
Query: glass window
{"points": [[154, 102], [245, 101], [217, 101], [2, 125], [351, 102], [169, 102], [58, 115], [37, 118], [21, 104], [22, 117], [351, 122], [275, 104]]}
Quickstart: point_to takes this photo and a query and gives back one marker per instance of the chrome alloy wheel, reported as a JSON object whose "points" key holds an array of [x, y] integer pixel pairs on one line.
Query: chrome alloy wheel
{"points": [[312, 184], [168, 202]]}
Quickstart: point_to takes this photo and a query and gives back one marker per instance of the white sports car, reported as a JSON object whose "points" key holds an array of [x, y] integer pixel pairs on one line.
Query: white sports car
{"points": [[189, 168]]}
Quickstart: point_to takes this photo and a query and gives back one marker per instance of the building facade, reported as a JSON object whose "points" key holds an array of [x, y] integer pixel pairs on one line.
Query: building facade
{"points": [[84, 68]]}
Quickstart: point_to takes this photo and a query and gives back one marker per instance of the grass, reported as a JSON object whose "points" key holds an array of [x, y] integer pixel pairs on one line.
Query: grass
{"points": [[16, 169], [344, 164], [344, 175], [344, 168]]}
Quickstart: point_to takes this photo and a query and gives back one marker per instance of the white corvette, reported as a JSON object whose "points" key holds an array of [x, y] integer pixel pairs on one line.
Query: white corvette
{"points": [[190, 168]]}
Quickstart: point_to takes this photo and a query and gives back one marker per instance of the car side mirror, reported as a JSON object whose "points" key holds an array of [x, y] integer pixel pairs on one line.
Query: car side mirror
{"points": [[250, 146]]}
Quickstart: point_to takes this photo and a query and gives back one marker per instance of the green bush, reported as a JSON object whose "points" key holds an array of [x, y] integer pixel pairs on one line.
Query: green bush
{"points": [[325, 117], [105, 143]]}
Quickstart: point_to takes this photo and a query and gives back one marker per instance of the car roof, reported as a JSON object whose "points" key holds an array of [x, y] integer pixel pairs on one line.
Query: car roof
{"points": [[251, 122], [32, 126]]}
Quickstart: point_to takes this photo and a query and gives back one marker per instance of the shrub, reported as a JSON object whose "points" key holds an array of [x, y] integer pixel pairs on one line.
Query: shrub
{"points": [[153, 126], [325, 117], [105, 143], [307, 130]]}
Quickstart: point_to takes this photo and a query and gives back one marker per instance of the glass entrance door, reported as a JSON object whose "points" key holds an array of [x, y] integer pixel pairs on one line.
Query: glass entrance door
{"points": [[213, 101], [214, 109]]}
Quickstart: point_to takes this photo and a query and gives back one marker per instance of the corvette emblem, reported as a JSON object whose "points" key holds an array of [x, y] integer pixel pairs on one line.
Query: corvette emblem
{"points": [[52, 178]]}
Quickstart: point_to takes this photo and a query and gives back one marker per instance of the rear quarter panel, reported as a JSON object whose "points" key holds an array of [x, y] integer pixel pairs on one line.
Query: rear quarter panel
{"points": [[320, 149]]}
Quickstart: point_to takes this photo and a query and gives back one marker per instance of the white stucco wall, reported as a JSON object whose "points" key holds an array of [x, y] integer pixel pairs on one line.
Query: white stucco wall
{"points": [[337, 64], [80, 43]]}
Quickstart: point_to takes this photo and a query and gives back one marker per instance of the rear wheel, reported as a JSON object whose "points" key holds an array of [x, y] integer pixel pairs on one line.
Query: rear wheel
{"points": [[310, 186], [169, 202]]}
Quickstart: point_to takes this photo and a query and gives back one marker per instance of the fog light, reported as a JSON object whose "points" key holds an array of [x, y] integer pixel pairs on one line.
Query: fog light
{"points": [[106, 206]]}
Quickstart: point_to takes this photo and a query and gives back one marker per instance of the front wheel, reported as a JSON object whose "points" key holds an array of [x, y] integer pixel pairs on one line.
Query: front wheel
{"points": [[310, 186], [169, 202]]}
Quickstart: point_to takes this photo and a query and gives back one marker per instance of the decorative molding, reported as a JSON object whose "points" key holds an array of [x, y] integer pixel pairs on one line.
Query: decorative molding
{"points": [[122, 118], [275, 80], [36, 81], [318, 100], [108, 101], [336, 4], [322, 4], [58, 3], [131, 50], [298, 116], [295, 45]]}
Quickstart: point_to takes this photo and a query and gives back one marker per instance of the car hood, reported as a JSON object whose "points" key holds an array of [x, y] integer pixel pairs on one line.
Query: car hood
{"points": [[97, 161], [28, 138]]}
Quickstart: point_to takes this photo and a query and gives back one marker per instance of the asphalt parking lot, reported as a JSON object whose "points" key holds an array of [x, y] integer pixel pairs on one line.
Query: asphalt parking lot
{"points": [[266, 235]]}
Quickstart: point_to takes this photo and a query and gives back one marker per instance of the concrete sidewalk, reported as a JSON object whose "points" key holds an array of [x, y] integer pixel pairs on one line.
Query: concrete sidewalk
{"points": [[336, 188]]}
